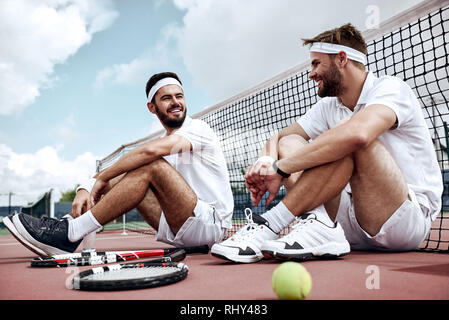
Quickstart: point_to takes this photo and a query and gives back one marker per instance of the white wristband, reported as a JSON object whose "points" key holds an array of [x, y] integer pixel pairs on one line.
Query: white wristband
{"points": [[87, 185], [266, 158]]}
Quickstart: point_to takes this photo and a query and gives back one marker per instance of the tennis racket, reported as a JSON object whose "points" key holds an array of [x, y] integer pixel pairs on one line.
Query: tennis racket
{"points": [[95, 258], [129, 276]]}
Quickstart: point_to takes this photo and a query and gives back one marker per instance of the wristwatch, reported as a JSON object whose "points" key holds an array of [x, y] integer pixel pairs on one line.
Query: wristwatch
{"points": [[279, 171]]}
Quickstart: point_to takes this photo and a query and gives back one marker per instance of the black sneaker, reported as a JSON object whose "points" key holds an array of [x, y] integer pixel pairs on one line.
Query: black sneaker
{"points": [[47, 234], [10, 226]]}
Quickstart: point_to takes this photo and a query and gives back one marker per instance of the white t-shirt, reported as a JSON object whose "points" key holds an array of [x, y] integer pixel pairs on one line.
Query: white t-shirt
{"points": [[204, 168], [409, 143]]}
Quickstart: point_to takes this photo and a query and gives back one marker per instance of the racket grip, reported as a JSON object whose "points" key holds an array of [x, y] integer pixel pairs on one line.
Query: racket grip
{"points": [[177, 255], [188, 250], [197, 249]]}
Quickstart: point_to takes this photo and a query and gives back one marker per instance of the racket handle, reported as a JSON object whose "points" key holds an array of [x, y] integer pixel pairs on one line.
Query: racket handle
{"points": [[198, 249], [195, 249], [177, 255]]}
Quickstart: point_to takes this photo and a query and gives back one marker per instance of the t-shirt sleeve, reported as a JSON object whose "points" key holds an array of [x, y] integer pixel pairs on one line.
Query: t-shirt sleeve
{"points": [[314, 121], [199, 134], [396, 95], [86, 184]]}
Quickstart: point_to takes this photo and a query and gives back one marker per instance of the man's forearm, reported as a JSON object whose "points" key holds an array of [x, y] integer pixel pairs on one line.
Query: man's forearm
{"points": [[146, 154], [330, 146], [130, 161]]}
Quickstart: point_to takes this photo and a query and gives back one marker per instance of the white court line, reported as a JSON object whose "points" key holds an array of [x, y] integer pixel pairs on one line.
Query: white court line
{"points": [[10, 244], [121, 237], [98, 238]]}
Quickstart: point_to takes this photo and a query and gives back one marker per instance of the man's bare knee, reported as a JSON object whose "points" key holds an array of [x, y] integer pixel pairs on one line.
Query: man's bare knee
{"points": [[291, 140], [375, 151], [152, 170], [290, 144], [116, 180]]}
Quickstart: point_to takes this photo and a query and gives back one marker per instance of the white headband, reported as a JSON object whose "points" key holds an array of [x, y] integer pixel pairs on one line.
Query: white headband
{"points": [[330, 48], [162, 83]]}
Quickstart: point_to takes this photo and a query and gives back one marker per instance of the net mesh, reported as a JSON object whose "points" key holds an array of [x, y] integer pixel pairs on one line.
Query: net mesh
{"points": [[416, 52]]}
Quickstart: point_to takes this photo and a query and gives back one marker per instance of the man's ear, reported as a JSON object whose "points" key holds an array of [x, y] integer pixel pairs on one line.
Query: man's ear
{"points": [[341, 59], [151, 107]]}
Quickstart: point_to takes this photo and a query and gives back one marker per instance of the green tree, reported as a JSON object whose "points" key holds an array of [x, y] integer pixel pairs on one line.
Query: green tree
{"points": [[69, 195]]}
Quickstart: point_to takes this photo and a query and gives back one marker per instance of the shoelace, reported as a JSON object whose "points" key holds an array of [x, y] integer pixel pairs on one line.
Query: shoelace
{"points": [[301, 223], [249, 227]]}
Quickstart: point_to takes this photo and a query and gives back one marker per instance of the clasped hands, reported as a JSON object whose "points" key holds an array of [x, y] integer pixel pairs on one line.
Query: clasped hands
{"points": [[260, 178]]}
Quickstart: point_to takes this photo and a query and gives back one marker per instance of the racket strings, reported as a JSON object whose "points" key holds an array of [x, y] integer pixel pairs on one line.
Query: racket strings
{"points": [[133, 273]]}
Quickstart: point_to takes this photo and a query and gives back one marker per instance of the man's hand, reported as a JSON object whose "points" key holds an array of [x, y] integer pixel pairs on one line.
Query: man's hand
{"points": [[81, 203], [260, 178], [100, 187]]}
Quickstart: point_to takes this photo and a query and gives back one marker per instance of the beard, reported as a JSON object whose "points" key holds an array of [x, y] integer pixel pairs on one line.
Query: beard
{"points": [[331, 82], [170, 122]]}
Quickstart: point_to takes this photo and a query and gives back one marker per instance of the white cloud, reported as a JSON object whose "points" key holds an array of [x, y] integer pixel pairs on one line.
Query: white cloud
{"points": [[35, 36], [30, 175], [159, 57], [229, 46]]}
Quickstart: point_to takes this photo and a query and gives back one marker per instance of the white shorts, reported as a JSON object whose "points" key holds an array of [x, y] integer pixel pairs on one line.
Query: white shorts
{"points": [[203, 228], [405, 230]]}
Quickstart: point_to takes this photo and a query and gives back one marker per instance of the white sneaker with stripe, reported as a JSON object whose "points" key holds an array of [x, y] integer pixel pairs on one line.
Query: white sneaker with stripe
{"points": [[244, 246], [309, 238]]}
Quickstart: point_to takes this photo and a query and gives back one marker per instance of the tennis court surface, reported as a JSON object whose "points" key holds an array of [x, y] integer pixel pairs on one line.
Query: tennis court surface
{"points": [[357, 276]]}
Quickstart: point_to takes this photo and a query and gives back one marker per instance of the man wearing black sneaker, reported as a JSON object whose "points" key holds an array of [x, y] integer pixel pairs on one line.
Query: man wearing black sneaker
{"points": [[179, 183], [359, 167]]}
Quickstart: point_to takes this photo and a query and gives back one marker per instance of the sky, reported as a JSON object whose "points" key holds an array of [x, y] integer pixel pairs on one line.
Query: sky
{"points": [[73, 72]]}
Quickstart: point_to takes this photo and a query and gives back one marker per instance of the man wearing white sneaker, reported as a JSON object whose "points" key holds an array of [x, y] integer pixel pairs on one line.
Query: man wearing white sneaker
{"points": [[359, 167]]}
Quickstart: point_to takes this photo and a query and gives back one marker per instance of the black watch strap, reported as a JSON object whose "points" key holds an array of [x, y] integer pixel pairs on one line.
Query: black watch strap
{"points": [[279, 171]]}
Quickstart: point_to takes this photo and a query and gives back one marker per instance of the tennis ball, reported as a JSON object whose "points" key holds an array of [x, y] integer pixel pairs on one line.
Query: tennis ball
{"points": [[291, 281]]}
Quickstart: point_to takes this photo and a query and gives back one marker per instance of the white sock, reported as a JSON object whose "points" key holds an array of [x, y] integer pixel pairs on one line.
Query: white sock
{"points": [[322, 215], [278, 217], [81, 226], [68, 217]]}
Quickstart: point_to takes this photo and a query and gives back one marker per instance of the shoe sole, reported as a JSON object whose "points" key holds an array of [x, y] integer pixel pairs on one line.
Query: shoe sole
{"points": [[12, 229], [234, 258], [328, 251], [49, 250]]}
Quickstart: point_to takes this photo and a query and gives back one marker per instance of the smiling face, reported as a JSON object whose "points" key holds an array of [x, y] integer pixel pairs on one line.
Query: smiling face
{"points": [[169, 106], [327, 75]]}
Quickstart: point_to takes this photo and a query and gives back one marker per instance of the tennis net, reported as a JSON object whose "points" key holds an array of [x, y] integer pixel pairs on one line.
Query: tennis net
{"points": [[39, 208], [412, 46]]}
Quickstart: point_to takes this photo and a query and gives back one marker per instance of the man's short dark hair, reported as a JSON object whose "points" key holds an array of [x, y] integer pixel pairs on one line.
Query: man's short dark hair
{"points": [[346, 35], [158, 76]]}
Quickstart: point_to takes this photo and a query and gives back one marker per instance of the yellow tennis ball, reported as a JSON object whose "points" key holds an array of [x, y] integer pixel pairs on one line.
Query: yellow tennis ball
{"points": [[291, 281]]}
